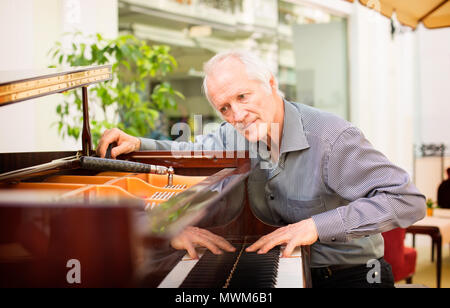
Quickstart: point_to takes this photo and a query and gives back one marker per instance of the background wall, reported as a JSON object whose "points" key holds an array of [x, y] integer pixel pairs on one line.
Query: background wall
{"points": [[382, 84], [17, 122], [30, 28], [433, 48], [432, 121], [399, 90]]}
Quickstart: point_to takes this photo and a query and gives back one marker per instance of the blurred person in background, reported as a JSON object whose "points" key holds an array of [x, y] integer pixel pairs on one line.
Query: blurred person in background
{"points": [[443, 196]]}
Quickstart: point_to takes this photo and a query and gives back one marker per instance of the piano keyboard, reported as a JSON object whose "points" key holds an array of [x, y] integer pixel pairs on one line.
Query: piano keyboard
{"points": [[239, 269]]}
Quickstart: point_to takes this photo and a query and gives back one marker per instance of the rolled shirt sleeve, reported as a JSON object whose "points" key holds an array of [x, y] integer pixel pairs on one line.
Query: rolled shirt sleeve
{"points": [[150, 144], [381, 196]]}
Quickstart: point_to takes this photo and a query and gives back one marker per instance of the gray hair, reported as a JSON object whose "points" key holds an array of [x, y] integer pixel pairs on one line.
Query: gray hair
{"points": [[255, 67]]}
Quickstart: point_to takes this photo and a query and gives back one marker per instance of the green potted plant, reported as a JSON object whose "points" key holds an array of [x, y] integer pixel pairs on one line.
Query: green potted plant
{"points": [[132, 100], [430, 204]]}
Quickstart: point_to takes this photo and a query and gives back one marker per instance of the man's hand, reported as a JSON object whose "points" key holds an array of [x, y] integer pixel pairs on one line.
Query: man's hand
{"points": [[125, 143], [300, 233], [196, 236]]}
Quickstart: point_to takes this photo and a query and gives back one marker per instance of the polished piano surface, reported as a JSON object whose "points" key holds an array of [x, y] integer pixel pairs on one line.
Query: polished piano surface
{"points": [[118, 225]]}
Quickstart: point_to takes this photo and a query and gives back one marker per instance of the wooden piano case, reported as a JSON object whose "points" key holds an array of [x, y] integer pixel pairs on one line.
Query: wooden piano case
{"points": [[111, 223]]}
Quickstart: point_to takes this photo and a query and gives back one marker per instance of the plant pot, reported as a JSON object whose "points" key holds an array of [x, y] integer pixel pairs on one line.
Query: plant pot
{"points": [[429, 211]]}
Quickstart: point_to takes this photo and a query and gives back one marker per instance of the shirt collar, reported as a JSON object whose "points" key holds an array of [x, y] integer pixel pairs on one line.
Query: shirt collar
{"points": [[293, 138]]}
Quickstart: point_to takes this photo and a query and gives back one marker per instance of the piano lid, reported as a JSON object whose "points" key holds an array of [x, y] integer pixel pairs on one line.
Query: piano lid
{"points": [[16, 86]]}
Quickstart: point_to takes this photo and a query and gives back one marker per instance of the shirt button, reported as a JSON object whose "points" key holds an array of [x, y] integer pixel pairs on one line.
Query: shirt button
{"points": [[333, 239]]}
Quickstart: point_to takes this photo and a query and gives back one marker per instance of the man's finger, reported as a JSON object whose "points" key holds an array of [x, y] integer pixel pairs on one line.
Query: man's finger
{"points": [[289, 248], [124, 147], [259, 243], [202, 241], [277, 240], [220, 241], [107, 138], [191, 250], [224, 244], [264, 239]]}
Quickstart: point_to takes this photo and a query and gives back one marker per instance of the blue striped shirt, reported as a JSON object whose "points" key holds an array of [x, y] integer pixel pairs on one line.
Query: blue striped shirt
{"points": [[326, 170]]}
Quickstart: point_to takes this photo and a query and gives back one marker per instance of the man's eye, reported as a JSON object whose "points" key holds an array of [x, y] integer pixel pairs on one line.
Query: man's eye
{"points": [[224, 109], [241, 96]]}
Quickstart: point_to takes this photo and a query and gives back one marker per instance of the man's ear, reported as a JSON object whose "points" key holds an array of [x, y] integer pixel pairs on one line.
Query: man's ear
{"points": [[273, 83]]}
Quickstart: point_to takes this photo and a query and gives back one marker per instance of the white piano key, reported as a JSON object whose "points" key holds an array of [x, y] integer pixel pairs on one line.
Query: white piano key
{"points": [[290, 270], [176, 277]]}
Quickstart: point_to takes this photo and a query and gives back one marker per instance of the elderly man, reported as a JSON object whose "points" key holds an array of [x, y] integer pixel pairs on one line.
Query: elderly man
{"points": [[325, 183]]}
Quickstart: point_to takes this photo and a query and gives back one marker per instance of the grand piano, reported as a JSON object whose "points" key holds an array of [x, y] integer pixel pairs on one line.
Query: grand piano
{"points": [[65, 224]]}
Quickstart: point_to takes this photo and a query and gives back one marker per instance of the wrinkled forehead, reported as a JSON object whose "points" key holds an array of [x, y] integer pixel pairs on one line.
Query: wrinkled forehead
{"points": [[227, 77]]}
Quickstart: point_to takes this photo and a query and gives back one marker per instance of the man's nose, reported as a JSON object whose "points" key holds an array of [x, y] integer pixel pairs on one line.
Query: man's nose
{"points": [[239, 113]]}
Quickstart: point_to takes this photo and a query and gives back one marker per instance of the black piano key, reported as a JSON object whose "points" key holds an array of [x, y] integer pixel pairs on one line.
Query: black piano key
{"points": [[252, 270], [211, 271], [256, 270]]}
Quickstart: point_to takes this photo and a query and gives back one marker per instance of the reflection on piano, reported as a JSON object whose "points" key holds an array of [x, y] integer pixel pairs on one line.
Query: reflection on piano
{"points": [[118, 225]]}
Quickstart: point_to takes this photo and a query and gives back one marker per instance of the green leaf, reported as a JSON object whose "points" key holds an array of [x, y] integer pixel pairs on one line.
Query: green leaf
{"points": [[133, 62]]}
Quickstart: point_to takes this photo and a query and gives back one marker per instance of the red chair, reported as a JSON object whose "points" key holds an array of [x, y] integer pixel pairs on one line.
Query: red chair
{"points": [[401, 258]]}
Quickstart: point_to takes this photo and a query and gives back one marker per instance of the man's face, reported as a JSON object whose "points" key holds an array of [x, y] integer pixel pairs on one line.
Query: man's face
{"points": [[244, 103]]}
